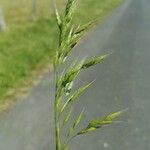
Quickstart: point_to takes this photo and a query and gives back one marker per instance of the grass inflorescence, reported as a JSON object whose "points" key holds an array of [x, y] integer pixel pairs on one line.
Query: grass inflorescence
{"points": [[69, 36]]}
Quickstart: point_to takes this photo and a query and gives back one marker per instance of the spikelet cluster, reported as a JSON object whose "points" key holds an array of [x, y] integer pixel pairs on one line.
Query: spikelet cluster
{"points": [[69, 35]]}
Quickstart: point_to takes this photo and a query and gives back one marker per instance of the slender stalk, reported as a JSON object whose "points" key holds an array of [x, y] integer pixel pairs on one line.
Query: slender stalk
{"points": [[56, 111], [57, 128]]}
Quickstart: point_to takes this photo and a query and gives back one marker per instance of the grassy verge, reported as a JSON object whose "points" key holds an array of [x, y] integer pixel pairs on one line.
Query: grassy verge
{"points": [[22, 51], [26, 47]]}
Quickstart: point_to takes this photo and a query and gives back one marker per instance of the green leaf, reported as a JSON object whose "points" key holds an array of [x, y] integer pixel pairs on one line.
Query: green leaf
{"points": [[98, 123], [94, 61], [75, 95]]}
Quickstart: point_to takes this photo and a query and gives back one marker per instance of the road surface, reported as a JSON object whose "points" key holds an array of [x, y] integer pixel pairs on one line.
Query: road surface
{"points": [[122, 81]]}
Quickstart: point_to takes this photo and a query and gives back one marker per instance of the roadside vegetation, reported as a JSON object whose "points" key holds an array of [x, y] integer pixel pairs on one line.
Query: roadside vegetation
{"points": [[29, 45]]}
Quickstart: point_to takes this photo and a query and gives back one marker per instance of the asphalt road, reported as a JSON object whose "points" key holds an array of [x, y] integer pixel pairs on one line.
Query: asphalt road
{"points": [[122, 81]]}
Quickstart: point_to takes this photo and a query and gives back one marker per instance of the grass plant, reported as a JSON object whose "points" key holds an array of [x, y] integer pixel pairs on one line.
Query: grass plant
{"points": [[27, 45], [69, 35]]}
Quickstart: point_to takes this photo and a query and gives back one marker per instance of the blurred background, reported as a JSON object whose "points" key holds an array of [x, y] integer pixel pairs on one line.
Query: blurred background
{"points": [[28, 37]]}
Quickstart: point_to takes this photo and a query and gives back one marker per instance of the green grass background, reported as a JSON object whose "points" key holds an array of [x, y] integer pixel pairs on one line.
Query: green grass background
{"points": [[27, 45]]}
